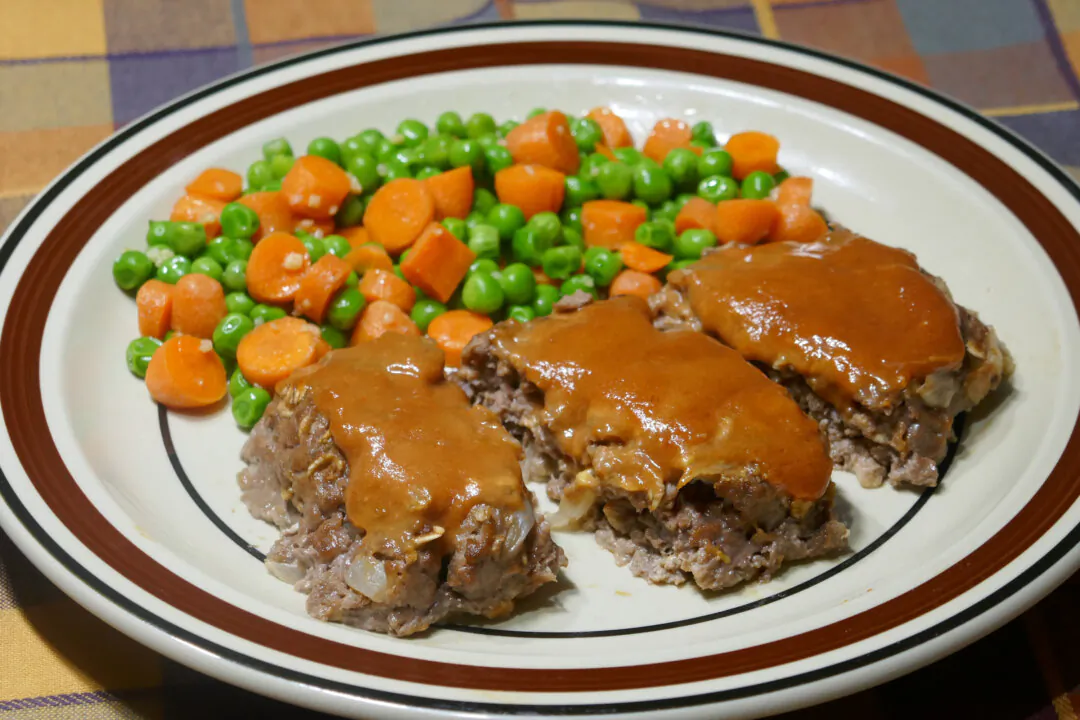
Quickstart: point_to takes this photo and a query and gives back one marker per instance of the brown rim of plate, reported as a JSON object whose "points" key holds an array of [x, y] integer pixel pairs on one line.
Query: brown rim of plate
{"points": [[20, 346]]}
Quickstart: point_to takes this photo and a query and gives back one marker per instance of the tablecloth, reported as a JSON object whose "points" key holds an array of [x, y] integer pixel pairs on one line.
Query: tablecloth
{"points": [[72, 71]]}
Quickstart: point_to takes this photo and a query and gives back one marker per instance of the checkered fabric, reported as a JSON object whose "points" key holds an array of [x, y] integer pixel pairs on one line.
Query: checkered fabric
{"points": [[72, 71]]}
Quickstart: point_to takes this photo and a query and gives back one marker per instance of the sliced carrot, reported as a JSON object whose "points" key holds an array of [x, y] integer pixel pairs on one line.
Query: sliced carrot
{"points": [[379, 318], [273, 211], [667, 135], [367, 257], [453, 330], [610, 223], [385, 285], [533, 188], [696, 213], [185, 372], [794, 191], [275, 350], [218, 184], [615, 133], [542, 278], [318, 228], [633, 282], [452, 192], [356, 235], [751, 151], [315, 187], [643, 258], [198, 209], [319, 285], [275, 267], [606, 152], [798, 223], [437, 262], [154, 301], [744, 221], [545, 140], [198, 305], [398, 212]]}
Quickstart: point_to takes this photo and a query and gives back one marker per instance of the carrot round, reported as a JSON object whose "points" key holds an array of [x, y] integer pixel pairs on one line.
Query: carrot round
{"points": [[615, 133], [367, 257], [545, 140], [667, 135], [198, 305], [752, 151], [315, 187], [274, 350], [319, 228], [533, 188], [319, 284], [154, 302], [696, 213], [744, 221], [437, 263], [275, 267], [643, 258], [795, 191], [610, 223], [633, 282], [273, 211], [197, 209], [356, 235], [217, 183], [452, 192], [798, 223], [385, 285], [453, 330], [379, 318], [185, 372], [398, 212]]}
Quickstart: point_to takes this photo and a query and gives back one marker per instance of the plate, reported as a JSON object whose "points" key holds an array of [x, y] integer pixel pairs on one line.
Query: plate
{"points": [[136, 514]]}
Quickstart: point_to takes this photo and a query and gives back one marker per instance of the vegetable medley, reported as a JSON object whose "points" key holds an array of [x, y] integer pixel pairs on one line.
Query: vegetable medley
{"points": [[440, 230]]}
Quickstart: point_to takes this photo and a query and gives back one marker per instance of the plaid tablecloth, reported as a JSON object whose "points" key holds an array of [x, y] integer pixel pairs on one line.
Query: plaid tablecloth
{"points": [[71, 71]]}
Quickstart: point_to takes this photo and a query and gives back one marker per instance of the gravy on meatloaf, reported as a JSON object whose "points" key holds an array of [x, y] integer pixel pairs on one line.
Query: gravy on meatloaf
{"points": [[662, 407], [859, 320], [420, 457]]}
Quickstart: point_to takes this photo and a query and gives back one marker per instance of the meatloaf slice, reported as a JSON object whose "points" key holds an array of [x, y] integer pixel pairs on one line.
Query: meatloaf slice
{"points": [[376, 530], [681, 457], [869, 344]]}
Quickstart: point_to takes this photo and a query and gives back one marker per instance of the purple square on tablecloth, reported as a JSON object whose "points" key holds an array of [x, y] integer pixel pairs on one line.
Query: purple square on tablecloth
{"points": [[728, 18], [1055, 133], [1026, 74], [142, 82]]}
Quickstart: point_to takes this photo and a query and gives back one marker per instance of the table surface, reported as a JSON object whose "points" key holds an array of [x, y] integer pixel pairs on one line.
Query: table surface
{"points": [[72, 71]]}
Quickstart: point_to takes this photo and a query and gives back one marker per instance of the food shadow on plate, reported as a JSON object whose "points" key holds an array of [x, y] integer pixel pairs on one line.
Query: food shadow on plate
{"points": [[544, 601]]}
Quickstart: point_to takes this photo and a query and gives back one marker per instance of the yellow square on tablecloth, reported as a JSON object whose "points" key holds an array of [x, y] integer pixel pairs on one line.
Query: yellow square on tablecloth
{"points": [[64, 28]]}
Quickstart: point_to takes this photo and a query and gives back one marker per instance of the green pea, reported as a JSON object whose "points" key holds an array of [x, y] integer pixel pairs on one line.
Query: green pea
{"points": [[571, 218], [219, 249], [602, 265], [590, 167], [394, 171], [265, 313], [483, 201], [579, 190], [681, 165], [132, 269], [520, 313], [506, 127], [259, 175], [507, 219], [517, 282], [547, 226], [315, 247], [384, 150], [703, 131], [424, 311], [351, 146], [714, 162], [413, 132], [572, 237], [466, 152], [781, 176], [677, 265], [351, 212], [615, 181], [579, 282], [239, 302], [272, 186], [428, 171], [173, 269], [668, 210], [326, 148], [628, 155], [280, 165], [456, 227], [186, 238], [484, 241], [337, 245], [248, 407], [683, 198], [237, 383], [497, 158], [352, 280], [334, 337], [692, 243], [365, 168], [405, 156], [276, 148], [238, 221], [651, 184], [370, 139], [235, 276], [718, 187], [473, 219], [450, 123], [586, 134], [208, 266], [757, 185], [139, 352], [482, 293], [479, 124], [345, 309], [484, 265], [158, 232], [435, 151], [561, 262], [229, 332], [657, 234], [487, 141], [546, 297], [648, 162], [644, 206], [528, 246]]}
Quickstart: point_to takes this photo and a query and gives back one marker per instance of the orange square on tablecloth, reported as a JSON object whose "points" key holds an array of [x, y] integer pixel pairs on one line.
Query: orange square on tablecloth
{"points": [[1066, 14], [34, 157], [909, 66], [65, 28], [1071, 41], [276, 20]]}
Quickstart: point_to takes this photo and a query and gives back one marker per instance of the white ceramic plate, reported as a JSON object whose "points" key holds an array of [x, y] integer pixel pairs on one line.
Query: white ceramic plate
{"points": [[136, 513]]}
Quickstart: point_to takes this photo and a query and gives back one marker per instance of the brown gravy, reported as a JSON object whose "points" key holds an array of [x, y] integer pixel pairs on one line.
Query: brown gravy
{"points": [[420, 457], [663, 407], [857, 319]]}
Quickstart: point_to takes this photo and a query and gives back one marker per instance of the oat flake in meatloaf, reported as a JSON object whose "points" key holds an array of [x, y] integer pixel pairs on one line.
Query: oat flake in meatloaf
{"points": [[401, 504], [682, 457]]}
